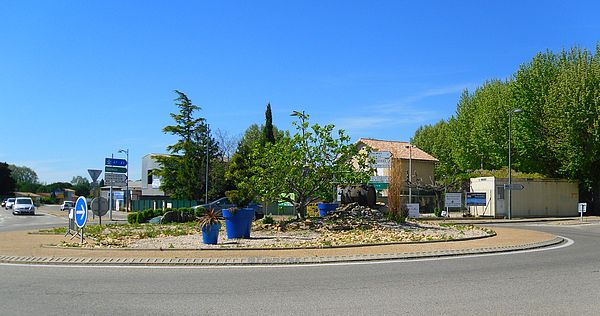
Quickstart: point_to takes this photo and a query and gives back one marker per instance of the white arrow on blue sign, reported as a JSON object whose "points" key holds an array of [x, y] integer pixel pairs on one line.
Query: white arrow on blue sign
{"points": [[115, 162], [80, 212]]}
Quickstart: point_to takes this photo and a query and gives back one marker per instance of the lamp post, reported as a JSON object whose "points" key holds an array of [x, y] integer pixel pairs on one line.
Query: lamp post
{"points": [[510, 113], [409, 172], [206, 175], [126, 152]]}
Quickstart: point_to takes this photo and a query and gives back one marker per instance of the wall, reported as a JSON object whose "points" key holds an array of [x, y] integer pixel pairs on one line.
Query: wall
{"points": [[539, 198], [149, 163]]}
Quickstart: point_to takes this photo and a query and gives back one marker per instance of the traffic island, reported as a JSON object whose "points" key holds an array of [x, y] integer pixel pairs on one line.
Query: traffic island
{"points": [[26, 248]]}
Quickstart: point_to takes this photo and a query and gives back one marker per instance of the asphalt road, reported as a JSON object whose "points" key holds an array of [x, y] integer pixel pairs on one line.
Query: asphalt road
{"points": [[563, 281], [10, 222]]}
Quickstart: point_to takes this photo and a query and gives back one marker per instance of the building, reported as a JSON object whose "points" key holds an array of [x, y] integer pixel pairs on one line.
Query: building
{"points": [[150, 181], [538, 198], [405, 157]]}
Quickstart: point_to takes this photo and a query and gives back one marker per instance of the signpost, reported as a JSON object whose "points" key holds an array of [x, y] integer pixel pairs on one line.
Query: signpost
{"points": [[582, 208], [81, 214], [476, 199], [514, 187], [413, 210], [115, 179], [115, 175], [115, 162], [99, 207], [382, 159], [453, 199]]}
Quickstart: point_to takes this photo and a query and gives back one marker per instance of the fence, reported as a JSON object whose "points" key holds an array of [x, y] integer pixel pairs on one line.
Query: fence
{"points": [[140, 205]]}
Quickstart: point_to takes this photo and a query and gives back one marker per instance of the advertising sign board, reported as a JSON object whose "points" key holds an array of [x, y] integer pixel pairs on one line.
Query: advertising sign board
{"points": [[453, 200], [476, 199], [413, 210]]}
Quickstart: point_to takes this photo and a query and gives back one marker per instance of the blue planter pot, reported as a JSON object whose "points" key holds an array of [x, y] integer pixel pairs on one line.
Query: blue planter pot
{"points": [[325, 208], [238, 223], [210, 234]]}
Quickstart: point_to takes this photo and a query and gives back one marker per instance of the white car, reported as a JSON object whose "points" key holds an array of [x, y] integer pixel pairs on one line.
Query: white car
{"points": [[9, 203], [67, 206], [23, 205]]}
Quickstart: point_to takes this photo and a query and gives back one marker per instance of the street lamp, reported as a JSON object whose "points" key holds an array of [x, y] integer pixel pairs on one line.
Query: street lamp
{"points": [[127, 200], [409, 172], [510, 113], [206, 140]]}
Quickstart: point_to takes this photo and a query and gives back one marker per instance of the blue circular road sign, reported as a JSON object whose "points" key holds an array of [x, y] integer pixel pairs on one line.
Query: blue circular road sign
{"points": [[80, 212]]}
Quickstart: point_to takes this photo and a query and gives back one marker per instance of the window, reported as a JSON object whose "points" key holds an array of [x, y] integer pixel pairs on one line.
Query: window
{"points": [[500, 192], [150, 176]]}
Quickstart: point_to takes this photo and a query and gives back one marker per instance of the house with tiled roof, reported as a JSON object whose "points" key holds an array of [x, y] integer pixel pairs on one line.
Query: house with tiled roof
{"points": [[405, 157]]}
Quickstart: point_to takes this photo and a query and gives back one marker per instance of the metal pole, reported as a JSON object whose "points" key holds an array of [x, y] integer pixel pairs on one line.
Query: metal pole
{"points": [[127, 184], [410, 174], [509, 165], [206, 177]]}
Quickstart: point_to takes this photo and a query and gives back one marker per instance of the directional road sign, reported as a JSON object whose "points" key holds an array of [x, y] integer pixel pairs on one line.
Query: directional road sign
{"points": [[514, 187], [115, 169], [115, 179], [115, 162], [94, 174], [380, 154], [80, 212], [381, 179]]}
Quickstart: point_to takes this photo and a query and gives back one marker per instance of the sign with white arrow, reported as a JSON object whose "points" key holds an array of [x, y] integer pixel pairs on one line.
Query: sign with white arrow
{"points": [[81, 212], [514, 187]]}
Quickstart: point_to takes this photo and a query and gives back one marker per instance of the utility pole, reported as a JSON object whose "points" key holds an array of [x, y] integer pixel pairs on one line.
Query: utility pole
{"points": [[509, 160]]}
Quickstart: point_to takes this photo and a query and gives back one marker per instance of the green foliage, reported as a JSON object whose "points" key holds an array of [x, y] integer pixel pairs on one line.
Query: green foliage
{"points": [[7, 182], [132, 217], [268, 131], [437, 212], [200, 211], [241, 197], [23, 174], [49, 200], [210, 217], [556, 135], [305, 164], [396, 217], [268, 219], [182, 172], [81, 185], [145, 215]]}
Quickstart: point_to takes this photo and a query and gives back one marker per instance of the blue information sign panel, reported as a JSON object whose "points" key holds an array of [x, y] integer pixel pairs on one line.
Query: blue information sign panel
{"points": [[115, 162], [80, 212]]}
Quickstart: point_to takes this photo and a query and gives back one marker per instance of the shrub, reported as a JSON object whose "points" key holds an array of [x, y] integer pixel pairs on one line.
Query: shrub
{"points": [[437, 212], [312, 210], [200, 211], [132, 217], [268, 220], [396, 217]]}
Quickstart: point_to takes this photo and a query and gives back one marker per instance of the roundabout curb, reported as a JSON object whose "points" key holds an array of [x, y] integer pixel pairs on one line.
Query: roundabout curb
{"points": [[252, 261]]}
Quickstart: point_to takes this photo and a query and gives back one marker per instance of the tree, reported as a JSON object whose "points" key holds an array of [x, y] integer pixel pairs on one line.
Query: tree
{"points": [[269, 134], [81, 185], [25, 177], [302, 169], [7, 182], [182, 172]]}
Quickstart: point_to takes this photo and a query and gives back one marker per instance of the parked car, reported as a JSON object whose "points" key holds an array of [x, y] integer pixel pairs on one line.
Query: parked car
{"points": [[3, 202], [67, 206], [9, 203], [224, 203], [23, 205]]}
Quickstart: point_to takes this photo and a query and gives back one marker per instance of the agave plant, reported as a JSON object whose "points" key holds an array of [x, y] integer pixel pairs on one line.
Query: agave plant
{"points": [[210, 217]]}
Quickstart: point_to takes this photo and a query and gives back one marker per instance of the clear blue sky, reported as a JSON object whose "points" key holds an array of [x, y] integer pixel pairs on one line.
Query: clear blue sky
{"points": [[81, 79]]}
